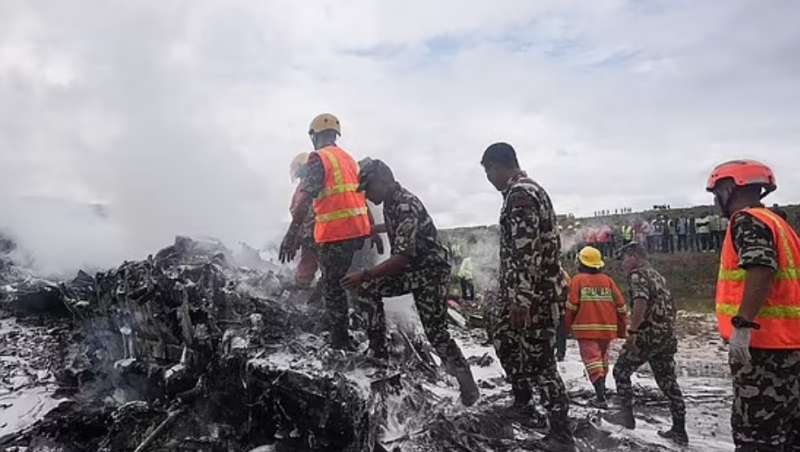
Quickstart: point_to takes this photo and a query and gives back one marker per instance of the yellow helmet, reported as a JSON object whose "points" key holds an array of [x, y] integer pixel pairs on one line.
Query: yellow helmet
{"points": [[297, 163], [325, 121], [591, 257]]}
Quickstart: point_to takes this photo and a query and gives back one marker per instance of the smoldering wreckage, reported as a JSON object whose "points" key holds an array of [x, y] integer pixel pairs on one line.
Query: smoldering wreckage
{"points": [[188, 351]]}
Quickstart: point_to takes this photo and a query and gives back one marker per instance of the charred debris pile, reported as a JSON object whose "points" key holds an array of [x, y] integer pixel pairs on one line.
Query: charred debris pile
{"points": [[186, 351]]}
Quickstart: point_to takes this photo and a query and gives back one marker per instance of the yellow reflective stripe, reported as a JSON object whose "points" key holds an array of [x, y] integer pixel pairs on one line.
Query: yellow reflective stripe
{"points": [[337, 169], [741, 275], [769, 312], [594, 327], [346, 188], [341, 215], [593, 366], [597, 298]]}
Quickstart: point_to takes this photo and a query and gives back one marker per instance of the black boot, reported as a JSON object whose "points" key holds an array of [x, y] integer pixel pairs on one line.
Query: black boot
{"points": [[560, 438], [600, 394], [677, 434], [522, 393], [458, 367], [623, 417]]}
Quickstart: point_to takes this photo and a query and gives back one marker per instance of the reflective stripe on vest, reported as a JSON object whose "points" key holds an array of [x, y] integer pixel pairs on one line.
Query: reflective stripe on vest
{"points": [[341, 210], [780, 315], [595, 327]]}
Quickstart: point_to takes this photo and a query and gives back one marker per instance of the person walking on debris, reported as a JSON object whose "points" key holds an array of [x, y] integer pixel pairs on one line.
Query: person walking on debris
{"points": [[651, 339], [532, 290], [758, 309], [341, 215], [309, 263], [418, 264], [596, 313], [466, 279]]}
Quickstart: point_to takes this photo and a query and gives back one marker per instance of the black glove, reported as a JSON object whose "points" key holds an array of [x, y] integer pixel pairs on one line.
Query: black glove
{"points": [[377, 243], [289, 246]]}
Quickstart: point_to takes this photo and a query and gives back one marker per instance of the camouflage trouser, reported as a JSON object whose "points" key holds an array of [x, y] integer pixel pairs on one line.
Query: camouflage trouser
{"points": [[661, 358], [429, 289], [766, 405], [528, 357], [334, 261]]}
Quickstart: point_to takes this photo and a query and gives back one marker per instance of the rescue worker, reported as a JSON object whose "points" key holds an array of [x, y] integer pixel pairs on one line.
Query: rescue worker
{"points": [[466, 279], [532, 291], [651, 339], [341, 215], [758, 309], [308, 265], [597, 315], [418, 265]]}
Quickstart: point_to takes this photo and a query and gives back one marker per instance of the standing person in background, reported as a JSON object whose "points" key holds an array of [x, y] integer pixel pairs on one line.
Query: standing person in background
{"points": [[682, 228], [342, 220], [652, 236], [758, 308], [596, 313], [669, 231], [627, 233], [692, 233], [703, 233], [466, 279], [715, 229], [532, 291], [651, 339]]}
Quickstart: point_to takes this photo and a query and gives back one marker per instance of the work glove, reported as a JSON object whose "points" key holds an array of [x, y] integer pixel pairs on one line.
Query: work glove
{"points": [[289, 246], [377, 243], [740, 346], [519, 316]]}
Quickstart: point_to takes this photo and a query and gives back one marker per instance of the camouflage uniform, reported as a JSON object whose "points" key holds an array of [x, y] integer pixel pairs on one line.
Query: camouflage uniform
{"points": [[334, 261], [655, 342], [766, 391], [412, 233], [531, 276]]}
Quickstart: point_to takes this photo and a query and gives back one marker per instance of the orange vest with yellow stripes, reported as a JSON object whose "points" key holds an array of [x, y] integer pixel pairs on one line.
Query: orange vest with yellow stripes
{"points": [[780, 316], [341, 210], [597, 306]]}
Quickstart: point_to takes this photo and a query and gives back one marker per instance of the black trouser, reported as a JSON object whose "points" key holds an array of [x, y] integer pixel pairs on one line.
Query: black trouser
{"points": [[467, 289], [561, 340], [683, 245], [667, 244]]}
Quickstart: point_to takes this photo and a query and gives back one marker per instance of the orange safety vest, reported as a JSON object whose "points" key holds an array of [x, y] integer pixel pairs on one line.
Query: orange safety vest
{"points": [[595, 308], [341, 210], [780, 316]]}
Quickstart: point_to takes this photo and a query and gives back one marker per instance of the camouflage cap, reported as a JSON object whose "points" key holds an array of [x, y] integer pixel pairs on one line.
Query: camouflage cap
{"points": [[372, 170], [632, 248]]}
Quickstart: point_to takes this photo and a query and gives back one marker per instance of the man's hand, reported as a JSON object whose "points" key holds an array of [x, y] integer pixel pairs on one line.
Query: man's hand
{"points": [[740, 345], [630, 344], [289, 246], [519, 316], [377, 243], [354, 280]]}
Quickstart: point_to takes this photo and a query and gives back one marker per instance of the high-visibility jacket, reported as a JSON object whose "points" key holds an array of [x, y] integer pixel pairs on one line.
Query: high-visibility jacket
{"points": [[596, 308], [780, 316], [341, 210], [627, 232]]}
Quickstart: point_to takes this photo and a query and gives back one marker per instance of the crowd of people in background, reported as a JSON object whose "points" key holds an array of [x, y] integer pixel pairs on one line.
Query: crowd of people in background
{"points": [[660, 232]]}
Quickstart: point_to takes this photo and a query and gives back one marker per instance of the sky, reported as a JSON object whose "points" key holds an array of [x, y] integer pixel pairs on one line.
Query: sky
{"points": [[181, 117]]}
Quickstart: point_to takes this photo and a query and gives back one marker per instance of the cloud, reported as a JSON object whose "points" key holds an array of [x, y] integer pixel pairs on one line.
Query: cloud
{"points": [[182, 117]]}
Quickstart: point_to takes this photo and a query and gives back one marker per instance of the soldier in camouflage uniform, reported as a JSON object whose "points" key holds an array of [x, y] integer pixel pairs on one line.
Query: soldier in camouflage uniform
{"points": [[334, 258], [651, 339], [418, 265], [532, 291], [762, 330]]}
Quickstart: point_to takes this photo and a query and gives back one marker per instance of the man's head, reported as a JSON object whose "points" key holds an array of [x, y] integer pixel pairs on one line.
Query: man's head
{"points": [[501, 164], [323, 130], [740, 184], [376, 180], [633, 255]]}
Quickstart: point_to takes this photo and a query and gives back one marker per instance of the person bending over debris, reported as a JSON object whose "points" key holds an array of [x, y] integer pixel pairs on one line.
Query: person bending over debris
{"points": [[758, 308], [597, 315], [651, 339], [342, 219], [418, 264], [532, 291]]}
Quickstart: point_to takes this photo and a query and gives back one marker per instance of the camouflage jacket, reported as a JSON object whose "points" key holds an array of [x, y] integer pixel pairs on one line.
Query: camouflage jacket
{"points": [[412, 232], [754, 242], [530, 270], [646, 283]]}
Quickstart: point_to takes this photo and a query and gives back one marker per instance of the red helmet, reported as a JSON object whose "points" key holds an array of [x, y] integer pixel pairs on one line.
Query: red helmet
{"points": [[743, 172]]}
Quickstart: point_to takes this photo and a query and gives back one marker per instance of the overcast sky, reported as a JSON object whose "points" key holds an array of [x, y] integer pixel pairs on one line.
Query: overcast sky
{"points": [[183, 116]]}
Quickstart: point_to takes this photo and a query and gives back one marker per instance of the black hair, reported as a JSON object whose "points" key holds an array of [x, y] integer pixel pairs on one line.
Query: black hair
{"points": [[584, 269], [502, 154]]}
